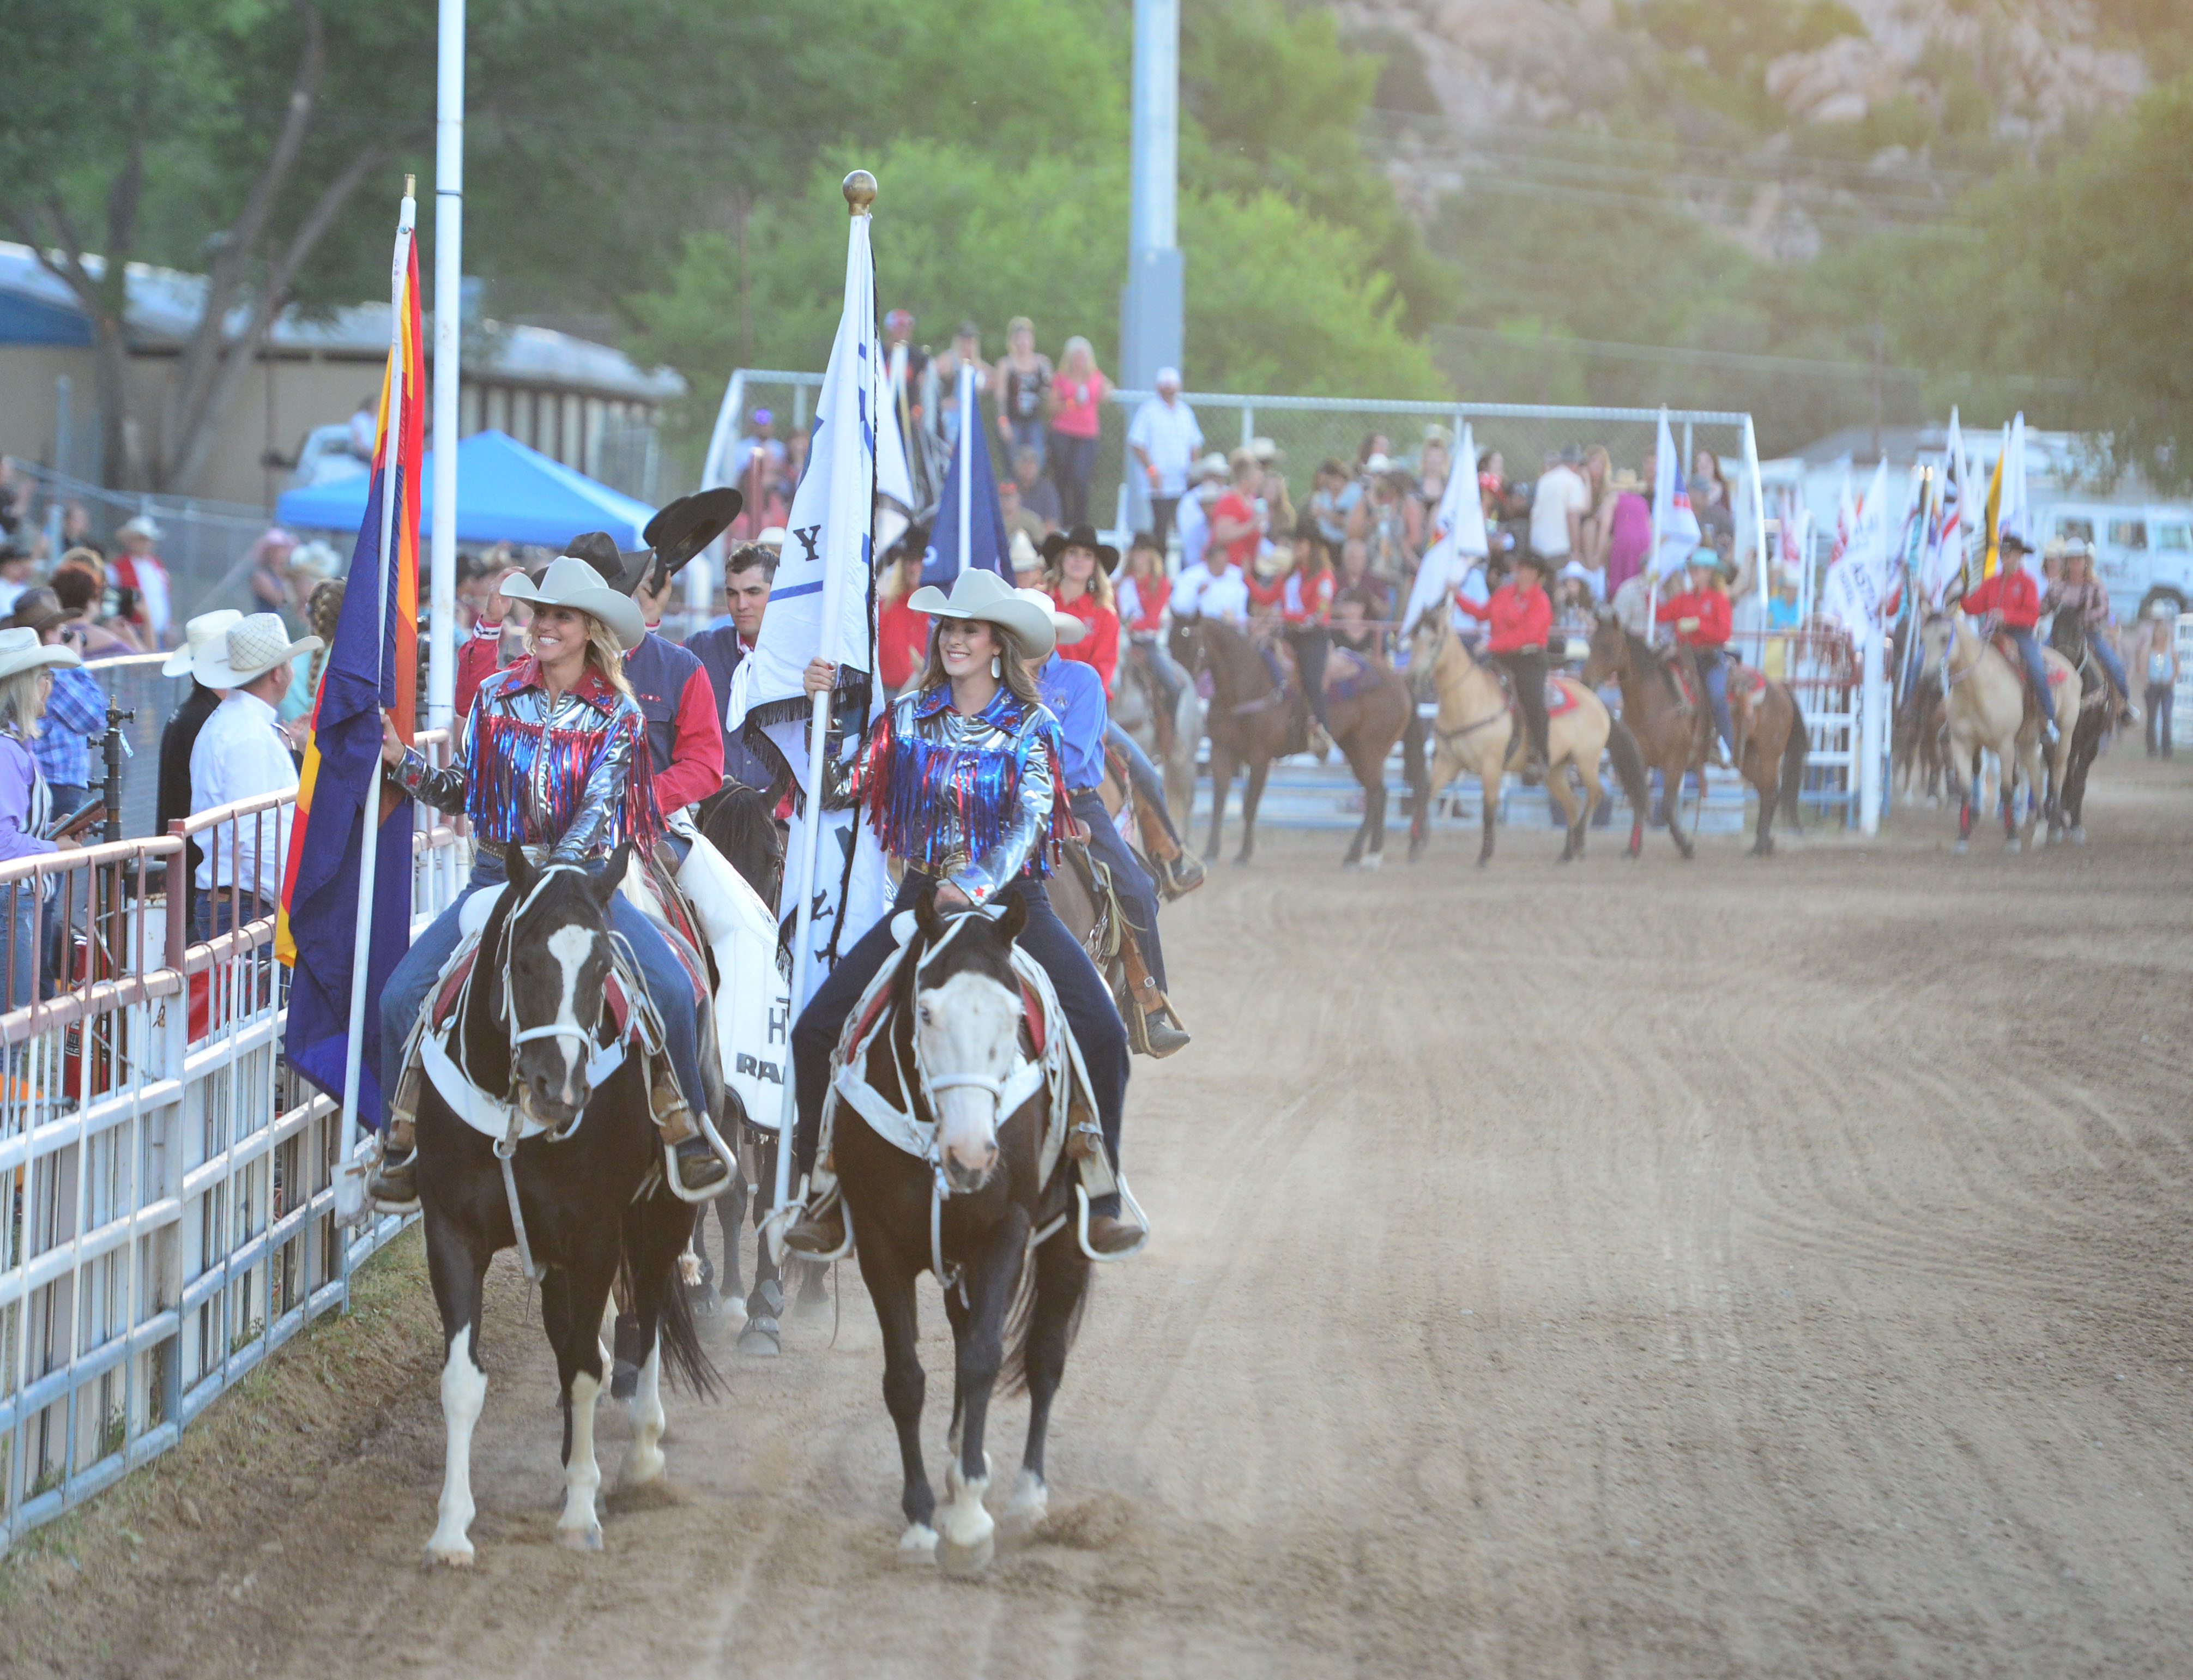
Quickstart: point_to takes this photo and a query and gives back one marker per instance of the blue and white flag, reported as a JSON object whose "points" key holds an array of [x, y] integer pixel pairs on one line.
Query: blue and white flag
{"points": [[1857, 586], [1674, 519], [1458, 538], [823, 605], [986, 516]]}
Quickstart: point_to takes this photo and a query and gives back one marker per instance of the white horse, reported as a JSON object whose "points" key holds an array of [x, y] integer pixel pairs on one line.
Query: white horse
{"points": [[1984, 696]]}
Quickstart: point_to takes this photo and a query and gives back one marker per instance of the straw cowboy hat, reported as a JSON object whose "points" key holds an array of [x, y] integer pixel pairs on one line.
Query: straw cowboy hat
{"points": [[21, 651], [1068, 628], [250, 648], [1082, 537], [986, 597], [207, 627], [570, 581]]}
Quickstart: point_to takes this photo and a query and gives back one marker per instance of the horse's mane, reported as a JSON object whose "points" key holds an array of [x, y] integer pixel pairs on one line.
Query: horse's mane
{"points": [[1654, 660], [739, 822], [1243, 661]]}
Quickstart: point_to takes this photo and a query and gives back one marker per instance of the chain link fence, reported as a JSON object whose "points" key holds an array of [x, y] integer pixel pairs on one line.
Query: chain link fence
{"points": [[206, 546]]}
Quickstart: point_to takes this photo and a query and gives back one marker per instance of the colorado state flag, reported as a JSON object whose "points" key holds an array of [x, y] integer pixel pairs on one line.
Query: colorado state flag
{"points": [[370, 666]]}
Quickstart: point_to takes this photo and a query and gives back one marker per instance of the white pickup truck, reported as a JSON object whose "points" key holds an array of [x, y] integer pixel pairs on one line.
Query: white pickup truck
{"points": [[2144, 555]]}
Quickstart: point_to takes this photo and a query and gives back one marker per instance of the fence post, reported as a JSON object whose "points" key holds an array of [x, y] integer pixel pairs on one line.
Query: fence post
{"points": [[1248, 425], [1872, 719]]}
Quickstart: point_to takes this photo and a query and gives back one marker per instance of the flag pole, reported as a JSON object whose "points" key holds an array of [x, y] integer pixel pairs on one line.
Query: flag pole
{"points": [[967, 418], [1652, 588], [350, 1175], [859, 190]]}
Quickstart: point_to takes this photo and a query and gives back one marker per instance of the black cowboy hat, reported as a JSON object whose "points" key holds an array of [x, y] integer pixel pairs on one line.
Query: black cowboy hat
{"points": [[674, 536], [1082, 537]]}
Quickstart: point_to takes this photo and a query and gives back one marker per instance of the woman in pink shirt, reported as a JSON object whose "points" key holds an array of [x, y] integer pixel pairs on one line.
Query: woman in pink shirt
{"points": [[1078, 390]]}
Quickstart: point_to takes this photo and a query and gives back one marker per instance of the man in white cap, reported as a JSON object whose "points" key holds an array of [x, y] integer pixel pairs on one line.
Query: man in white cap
{"points": [[1164, 437], [240, 754], [137, 568]]}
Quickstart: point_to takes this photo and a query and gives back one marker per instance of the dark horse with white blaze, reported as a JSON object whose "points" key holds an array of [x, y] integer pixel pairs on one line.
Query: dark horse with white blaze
{"points": [[951, 1028], [590, 1189], [1251, 719], [1674, 731]]}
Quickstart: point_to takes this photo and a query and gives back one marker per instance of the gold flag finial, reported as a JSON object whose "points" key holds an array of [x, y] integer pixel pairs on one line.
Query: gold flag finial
{"points": [[410, 186], [860, 192]]}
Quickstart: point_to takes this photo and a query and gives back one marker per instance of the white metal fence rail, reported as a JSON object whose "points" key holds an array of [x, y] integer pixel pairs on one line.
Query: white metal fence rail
{"points": [[169, 1201]]}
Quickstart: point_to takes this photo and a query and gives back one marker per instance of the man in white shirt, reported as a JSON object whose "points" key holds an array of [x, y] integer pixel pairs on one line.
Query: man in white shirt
{"points": [[1164, 438], [1558, 507], [1198, 592], [240, 754]]}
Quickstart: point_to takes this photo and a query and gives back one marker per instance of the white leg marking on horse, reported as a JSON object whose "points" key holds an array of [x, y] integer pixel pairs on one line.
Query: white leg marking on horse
{"points": [[464, 1392], [578, 1528], [918, 1545], [1031, 1498], [643, 1459], [967, 1541]]}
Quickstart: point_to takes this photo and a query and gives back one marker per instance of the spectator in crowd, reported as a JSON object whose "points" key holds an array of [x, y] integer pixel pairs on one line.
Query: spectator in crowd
{"points": [[2159, 660], [1558, 507], [1434, 461], [1356, 580], [17, 562], [1038, 494], [269, 571], [1164, 439], [310, 564], [364, 427], [140, 571], [1782, 611], [1716, 523], [1078, 390], [748, 572], [180, 734], [902, 633], [14, 498], [1018, 516], [240, 754], [1332, 497], [1629, 530], [26, 803], [1306, 608], [1206, 483], [1078, 576], [1278, 505], [1597, 529], [1023, 389], [1027, 562], [1374, 443], [1144, 589], [1237, 521], [80, 583], [76, 529], [965, 350], [1380, 520], [323, 613], [481, 653], [898, 331], [1715, 492], [1353, 611], [76, 709]]}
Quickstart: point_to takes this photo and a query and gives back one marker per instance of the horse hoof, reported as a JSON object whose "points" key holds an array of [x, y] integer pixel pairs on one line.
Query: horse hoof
{"points": [[1483, 858], [588, 1538], [970, 1558], [2013, 846], [759, 1339], [1376, 860], [1960, 848], [457, 1556], [2076, 834], [918, 1545], [641, 1466], [1030, 1503]]}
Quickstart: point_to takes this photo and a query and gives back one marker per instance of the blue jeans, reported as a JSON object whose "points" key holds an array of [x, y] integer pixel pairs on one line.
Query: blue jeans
{"points": [[2036, 668], [2099, 643], [1072, 460], [1082, 994], [1714, 669], [1138, 894], [667, 984], [1142, 775], [1028, 434]]}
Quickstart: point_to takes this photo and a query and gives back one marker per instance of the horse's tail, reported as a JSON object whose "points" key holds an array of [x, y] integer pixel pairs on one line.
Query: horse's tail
{"points": [[1794, 752], [1629, 767], [1019, 1318], [680, 1338]]}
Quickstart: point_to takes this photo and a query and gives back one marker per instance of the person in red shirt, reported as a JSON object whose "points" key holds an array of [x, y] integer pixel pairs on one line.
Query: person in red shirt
{"points": [[1306, 608], [902, 633], [1521, 616], [1077, 574], [1237, 529], [480, 655], [1703, 623], [2012, 599], [1144, 592]]}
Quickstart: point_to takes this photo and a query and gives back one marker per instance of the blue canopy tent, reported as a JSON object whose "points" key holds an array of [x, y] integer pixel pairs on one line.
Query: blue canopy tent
{"points": [[506, 493]]}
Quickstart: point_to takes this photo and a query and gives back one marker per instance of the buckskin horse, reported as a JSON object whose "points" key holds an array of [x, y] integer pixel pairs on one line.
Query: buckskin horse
{"points": [[1988, 710], [940, 1053], [1674, 723], [534, 1025], [1477, 730], [1252, 721]]}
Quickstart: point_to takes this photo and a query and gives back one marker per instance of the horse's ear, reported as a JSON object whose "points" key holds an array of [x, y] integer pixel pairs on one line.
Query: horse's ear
{"points": [[606, 883], [1009, 924], [518, 869], [925, 916]]}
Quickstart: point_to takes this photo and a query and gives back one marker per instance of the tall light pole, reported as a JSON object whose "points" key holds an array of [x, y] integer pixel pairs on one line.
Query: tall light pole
{"points": [[449, 328], [1151, 303]]}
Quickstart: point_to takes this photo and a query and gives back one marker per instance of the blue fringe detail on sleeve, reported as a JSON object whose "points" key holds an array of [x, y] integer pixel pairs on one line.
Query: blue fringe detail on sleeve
{"points": [[508, 757], [927, 800]]}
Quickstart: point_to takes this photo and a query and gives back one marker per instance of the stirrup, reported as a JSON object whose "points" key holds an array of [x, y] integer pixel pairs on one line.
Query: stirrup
{"points": [[831, 1196], [675, 1179], [394, 1186]]}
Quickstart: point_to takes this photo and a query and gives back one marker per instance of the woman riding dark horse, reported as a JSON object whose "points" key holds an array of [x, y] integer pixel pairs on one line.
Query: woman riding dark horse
{"points": [[554, 759], [962, 780]]}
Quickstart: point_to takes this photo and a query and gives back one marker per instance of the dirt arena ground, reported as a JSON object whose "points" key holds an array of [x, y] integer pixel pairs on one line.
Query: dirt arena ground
{"points": [[1729, 1269]]}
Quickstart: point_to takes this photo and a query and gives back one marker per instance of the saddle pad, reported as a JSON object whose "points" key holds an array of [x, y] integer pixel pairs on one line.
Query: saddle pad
{"points": [[1744, 681], [1561, 696], [2009, 650]]}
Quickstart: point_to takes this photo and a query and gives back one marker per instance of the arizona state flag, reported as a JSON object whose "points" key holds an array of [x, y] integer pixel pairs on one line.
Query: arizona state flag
{"points": [[370, 666]]}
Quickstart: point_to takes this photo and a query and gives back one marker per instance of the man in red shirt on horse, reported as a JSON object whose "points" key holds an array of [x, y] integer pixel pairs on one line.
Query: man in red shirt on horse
{"points": [[1522, 617], [2013, 600]]}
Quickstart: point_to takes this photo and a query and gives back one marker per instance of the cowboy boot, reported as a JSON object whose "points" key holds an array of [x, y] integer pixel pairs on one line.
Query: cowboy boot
{"points": [[394, 1186], [820, 1227], [1155, 1028], [693, 1157]]}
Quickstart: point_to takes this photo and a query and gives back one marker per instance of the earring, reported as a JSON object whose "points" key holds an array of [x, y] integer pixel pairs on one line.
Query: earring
{"points": [[997, 666]]}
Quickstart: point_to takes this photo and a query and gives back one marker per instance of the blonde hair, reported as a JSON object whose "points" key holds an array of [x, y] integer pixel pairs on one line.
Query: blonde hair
{"points": [[1078, 345], [21, 703], [603, 651], [1012, 666], [1100, 580]]}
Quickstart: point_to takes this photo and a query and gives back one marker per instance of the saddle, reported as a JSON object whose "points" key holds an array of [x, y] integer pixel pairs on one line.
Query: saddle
{"points": [[1562, 694], [2012, 656]]}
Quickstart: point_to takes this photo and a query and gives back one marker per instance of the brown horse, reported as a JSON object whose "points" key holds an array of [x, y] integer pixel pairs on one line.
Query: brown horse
{"points": [[1674, 730], [1251, 721]]}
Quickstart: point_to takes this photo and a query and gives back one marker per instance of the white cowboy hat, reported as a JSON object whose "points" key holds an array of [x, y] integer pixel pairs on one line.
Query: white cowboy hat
{"points": [[207, 627], [1212, 466], [21, 651], [1068, 628], [987, 597], [771, 538], [251, 647], [1379, 463], [143, 526], [1022, 554], [571, 582]]}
